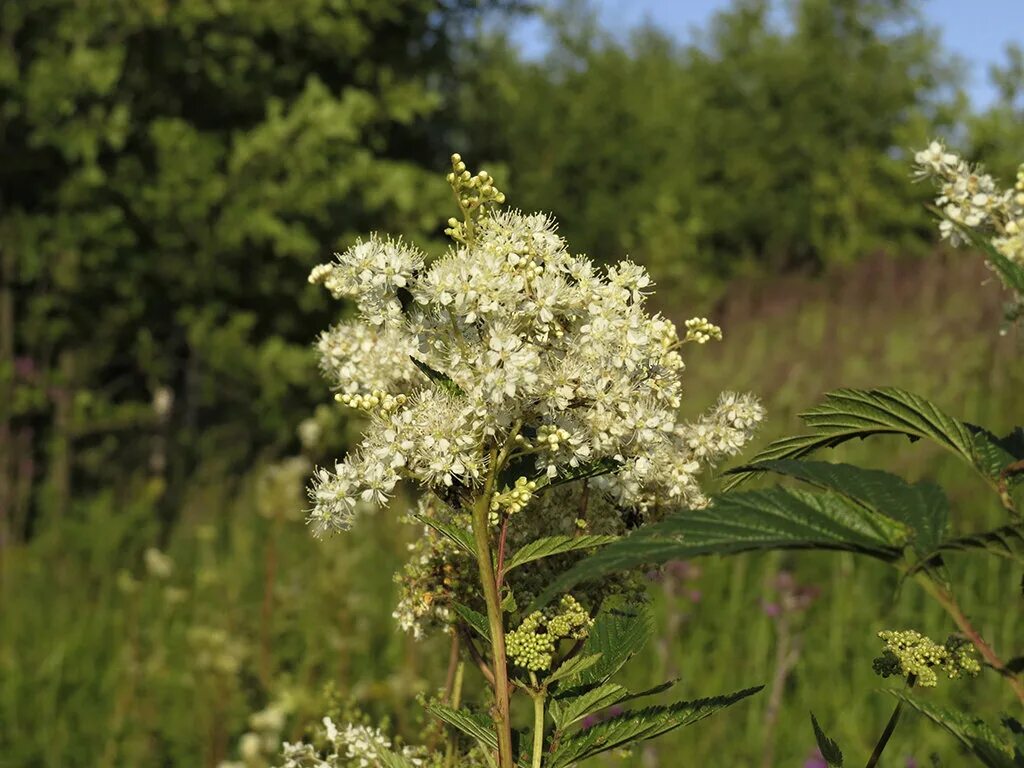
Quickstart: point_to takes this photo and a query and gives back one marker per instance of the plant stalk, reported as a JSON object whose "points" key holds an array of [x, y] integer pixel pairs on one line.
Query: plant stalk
{"points": [[946, 599], [894, 720], [538, 727], [495, 621]]}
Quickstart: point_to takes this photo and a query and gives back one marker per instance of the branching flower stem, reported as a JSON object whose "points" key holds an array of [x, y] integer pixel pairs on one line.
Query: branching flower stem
{"points": [[948, 601]]}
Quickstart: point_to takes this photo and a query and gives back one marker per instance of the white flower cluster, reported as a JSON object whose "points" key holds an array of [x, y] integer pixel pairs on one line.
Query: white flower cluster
{"points": [[358, 358], [354, 746], [524, 340], [971, 198]]}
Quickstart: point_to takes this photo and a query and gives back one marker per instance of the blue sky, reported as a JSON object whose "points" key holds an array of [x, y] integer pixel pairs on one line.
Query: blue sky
{"points": [[976, 30]]}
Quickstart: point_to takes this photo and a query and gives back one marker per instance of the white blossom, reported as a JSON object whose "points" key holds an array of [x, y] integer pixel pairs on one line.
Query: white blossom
{"points": [[524, 336]]}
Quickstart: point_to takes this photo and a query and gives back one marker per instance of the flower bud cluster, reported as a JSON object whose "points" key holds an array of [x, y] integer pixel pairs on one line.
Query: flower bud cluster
{"points": [[533, 644], [378, 401], [512, 499], [474, 193], [550, 436], [700, 330], [911, 653]]}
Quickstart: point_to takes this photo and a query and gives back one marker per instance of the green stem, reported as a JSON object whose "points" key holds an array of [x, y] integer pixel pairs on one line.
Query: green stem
{"points": [[538, 727], [481, 535], [894, 719]]}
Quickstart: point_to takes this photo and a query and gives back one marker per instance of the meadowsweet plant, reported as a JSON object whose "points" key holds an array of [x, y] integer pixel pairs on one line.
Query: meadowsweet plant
{"points": [[532, 401]]}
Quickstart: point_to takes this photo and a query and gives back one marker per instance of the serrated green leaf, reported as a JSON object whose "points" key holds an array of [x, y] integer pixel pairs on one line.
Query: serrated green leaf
{"points": [[554, 545], [829, 749], [995, 453], [638, 725], [975, 734], [998, 457], [922, 507], [616, 637], [573, 666], [459, 536], [573, 704], [473, 724], [566, 711], [847, 414], [1007, 542], [770, 519], [475, 620]]}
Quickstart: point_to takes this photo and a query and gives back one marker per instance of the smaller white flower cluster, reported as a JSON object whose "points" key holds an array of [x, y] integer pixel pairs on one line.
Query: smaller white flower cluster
{"points": [[971, 198], [354, 746], [725, 429], [358, 358], [372, 271]]}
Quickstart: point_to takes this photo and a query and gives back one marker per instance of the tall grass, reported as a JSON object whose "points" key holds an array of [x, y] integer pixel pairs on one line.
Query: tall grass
{"points": [[103, 662]]}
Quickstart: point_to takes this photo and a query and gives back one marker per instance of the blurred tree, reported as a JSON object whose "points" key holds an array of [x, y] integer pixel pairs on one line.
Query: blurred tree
{"points": [[170, 172], [997, 134], [762, 145]]}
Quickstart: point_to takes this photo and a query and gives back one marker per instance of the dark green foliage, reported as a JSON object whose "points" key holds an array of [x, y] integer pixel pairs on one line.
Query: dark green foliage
{"points": [[474, 620], [617, 635], [771, 519], [755, 146], [922, 508], [171, 172], [1007, 541]]}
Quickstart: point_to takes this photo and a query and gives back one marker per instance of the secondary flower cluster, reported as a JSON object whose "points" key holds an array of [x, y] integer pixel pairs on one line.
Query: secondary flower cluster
{"points": [[532, 646], [510, 335], [972, 199], [911, 653], [350, 747]]}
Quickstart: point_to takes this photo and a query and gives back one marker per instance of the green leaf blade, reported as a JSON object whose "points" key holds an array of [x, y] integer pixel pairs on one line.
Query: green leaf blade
{"points": [[639, 725], [848, 414], [973, 733], [770, 519], [555, 545], [829, 748], [922, 508]]}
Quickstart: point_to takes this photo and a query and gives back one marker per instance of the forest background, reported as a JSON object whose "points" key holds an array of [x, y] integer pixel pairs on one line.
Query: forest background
{"points": [[170, 171]]}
